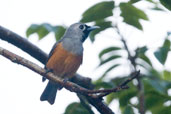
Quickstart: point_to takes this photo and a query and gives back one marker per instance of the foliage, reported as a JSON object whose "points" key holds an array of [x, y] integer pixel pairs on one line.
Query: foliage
{"points": [[162, 52], [95, 12], [156, 83], [76, 108], [166, 3], [44, 29], [132, 15]]}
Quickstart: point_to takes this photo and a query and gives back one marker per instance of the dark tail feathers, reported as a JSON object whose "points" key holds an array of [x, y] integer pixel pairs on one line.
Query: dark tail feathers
{"points": [[49, 93]]}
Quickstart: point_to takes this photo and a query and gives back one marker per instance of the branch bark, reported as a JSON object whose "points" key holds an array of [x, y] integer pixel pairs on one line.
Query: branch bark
{"points": [[23, 44]]}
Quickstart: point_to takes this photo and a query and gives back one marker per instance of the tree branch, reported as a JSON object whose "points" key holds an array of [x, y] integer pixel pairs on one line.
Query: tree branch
{"points": [[123, 85], [140, 85], [23, 44]]}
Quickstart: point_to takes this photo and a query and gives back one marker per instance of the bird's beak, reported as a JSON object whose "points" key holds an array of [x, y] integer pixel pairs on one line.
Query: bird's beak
{"points": [[90, 28]]}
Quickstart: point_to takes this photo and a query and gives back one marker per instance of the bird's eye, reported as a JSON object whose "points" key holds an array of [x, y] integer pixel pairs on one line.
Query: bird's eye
{"points": [[81, 27]]}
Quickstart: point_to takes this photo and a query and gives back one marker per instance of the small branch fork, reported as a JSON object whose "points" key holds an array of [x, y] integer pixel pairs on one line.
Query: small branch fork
{"points": [[66, 84]]}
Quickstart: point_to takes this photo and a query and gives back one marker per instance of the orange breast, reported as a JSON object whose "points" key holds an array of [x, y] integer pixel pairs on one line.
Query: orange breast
{"points": [[63, 63]]}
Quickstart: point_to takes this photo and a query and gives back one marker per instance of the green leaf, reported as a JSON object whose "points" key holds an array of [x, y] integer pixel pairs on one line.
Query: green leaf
{"points": [[161, 54], [107, 50], [157, 8], [123, 96], [141, 54], [166, 3], [126, 95], [42, 30], [103, 26], [76, 108], [109, 59], [132, 15], [157, 85], [142, 50], [161, 110], [166, 43], [32, 29], [166, 75], [155, 100], [109, 69], [146, 59], [151, 1], [134, 1], [110, 98], [128, 110], [153, 73], [98, 11], [59, 32]]}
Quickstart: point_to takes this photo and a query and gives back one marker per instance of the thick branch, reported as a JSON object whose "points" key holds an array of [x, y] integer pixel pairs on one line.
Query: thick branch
{"points": [[23, 44]]}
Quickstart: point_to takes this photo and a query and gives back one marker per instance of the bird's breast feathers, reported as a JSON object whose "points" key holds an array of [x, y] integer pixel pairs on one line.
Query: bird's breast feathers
{"points": [[64, 63]]}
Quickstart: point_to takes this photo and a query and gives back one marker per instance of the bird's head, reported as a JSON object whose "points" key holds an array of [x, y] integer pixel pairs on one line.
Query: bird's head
{"points": [[79, 31]]}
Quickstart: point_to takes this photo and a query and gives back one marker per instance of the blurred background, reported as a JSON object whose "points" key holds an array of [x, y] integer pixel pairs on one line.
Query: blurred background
{"points": [[144, 25]]}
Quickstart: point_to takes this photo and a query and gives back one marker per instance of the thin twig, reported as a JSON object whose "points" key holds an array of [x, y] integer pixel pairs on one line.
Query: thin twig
{"points": [[134, 64], [122, 85], [130, 57]]}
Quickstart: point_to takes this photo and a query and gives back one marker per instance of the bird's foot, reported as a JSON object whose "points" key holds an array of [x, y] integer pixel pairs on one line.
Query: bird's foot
{"points": [[65, 80], [46, 71]]}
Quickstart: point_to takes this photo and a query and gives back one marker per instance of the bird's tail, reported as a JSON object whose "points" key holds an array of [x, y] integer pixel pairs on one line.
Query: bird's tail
{"points": [[49, 93]]}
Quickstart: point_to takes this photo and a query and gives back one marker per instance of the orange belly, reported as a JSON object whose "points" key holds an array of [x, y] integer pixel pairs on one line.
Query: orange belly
{"points": [[63, 63]]}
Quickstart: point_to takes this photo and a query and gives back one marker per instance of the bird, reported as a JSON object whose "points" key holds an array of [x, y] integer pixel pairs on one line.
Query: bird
{"points": [[65, 57]]}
